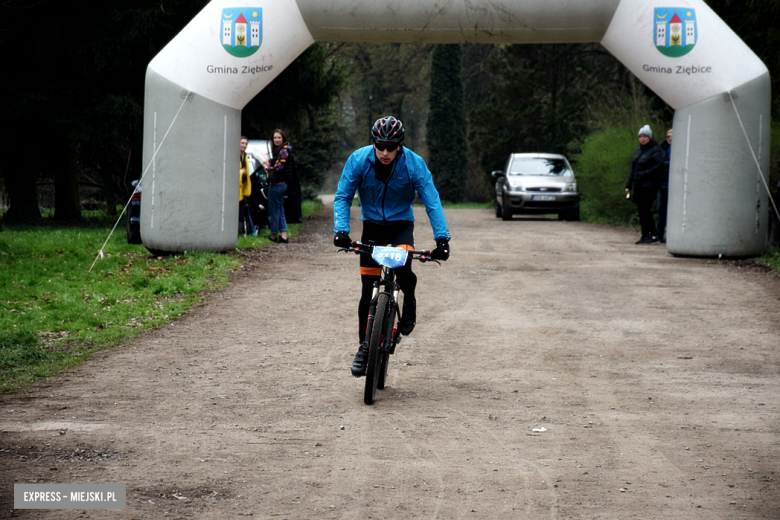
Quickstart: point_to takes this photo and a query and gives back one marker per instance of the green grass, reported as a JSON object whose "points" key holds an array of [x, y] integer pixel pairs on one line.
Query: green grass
{"points": [[461, 205], [467, 205], [771, 258], [54, 313], [445, 204]]}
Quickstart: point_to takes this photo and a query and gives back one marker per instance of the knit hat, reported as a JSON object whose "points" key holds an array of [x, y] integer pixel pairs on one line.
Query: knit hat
{"points": [[645, 130]]}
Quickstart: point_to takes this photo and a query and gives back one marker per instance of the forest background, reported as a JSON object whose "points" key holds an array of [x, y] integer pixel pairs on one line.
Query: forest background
{"points": [[76, 115]]}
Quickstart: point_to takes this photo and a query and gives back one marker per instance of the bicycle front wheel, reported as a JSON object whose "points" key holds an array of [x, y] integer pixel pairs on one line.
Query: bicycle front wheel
{"points": [[375, 350], [388, 344]]}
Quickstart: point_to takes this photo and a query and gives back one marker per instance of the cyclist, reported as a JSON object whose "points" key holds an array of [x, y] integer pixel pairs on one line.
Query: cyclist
{"points": [[387, 176]]}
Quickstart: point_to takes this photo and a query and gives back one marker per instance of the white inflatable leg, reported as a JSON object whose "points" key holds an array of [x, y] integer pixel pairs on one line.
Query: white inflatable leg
{"points": [[189, 200], [718, 204]]}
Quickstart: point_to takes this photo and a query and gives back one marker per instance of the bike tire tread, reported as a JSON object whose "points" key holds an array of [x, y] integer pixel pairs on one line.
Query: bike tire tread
{"points": [[374, 350]]}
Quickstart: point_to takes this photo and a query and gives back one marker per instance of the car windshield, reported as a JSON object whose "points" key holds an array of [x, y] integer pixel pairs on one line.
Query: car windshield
{"points": [[536, 166]]}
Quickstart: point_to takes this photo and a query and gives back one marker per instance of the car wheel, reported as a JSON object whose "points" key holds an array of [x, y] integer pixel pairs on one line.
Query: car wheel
{"points": [[133, 237], [506, 210], [571, 214], [498, 209]]}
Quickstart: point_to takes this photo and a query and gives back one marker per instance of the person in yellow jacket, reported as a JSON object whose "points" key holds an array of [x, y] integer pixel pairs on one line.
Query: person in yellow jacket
{"points": [[244, 191]]}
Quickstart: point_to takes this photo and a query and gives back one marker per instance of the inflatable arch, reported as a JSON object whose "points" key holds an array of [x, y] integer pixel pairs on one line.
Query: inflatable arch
{"points": [[198, 84]]}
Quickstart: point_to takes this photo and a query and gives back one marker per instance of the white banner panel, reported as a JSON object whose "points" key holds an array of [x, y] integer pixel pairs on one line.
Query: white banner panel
{"points": [[234, 48], [456, 21], [680, 49]]}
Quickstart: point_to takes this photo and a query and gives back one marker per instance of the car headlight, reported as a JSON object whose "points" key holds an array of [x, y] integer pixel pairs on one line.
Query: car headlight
{"points": [[515, 187], [571, 187]]}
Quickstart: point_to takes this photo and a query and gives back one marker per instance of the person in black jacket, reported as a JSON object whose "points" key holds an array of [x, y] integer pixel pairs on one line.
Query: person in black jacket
{"points": [[280, 175], [646, 167]]}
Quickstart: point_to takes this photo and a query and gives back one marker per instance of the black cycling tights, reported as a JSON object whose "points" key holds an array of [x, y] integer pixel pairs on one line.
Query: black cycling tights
{"points": [[406, 279]]}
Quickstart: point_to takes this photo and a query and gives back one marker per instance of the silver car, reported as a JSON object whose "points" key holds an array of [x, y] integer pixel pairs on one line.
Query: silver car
{"points": [[536, 183]]}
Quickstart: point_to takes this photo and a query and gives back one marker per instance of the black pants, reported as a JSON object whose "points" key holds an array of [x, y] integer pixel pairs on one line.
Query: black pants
{"points": [[245, 217], [644, 198], [663, 203], [396, 234]]}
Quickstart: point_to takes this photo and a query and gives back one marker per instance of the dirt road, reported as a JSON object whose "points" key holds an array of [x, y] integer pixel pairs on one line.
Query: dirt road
{"points": [[656, 379]]}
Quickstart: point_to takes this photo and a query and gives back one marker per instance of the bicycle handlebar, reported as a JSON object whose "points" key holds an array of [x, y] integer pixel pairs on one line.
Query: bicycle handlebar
{"points": [[367, 249]]}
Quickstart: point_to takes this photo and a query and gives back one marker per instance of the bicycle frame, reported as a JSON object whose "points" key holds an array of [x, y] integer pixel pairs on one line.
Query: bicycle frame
{"points": [[386, 279]]}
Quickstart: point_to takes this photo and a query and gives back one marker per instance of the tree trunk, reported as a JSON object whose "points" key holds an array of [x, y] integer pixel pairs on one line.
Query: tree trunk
{"points": [[67, 202], [19, 171], [111, 201]]}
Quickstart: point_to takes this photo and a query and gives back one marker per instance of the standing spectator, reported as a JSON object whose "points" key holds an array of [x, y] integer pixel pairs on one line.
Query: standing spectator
{"points": [[245, 190], [281, 170], [644, 179], [663, 190]]}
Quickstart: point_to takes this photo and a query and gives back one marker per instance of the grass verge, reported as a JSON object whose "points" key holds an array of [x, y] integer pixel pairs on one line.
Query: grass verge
{"points": [[467, 205], [55, 313], [771, 258], [459, 205]]}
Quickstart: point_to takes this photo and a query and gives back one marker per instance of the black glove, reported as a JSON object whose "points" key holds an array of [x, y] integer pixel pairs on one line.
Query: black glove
{"points": [[342, 239], [442, 251]]}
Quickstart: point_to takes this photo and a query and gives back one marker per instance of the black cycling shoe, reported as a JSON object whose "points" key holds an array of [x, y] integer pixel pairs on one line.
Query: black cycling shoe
{"points": [[359, 363], [408, 318]]}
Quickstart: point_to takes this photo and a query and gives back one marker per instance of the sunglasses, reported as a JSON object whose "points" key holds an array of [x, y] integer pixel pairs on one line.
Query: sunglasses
{"points": [[390, 147]]}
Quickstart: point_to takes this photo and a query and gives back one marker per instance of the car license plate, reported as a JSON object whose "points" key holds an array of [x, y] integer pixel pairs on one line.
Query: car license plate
{"points": [[542, 197]]}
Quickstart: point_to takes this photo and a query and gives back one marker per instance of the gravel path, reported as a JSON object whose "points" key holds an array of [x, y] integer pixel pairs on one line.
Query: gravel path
{"points": [[557, 371]]}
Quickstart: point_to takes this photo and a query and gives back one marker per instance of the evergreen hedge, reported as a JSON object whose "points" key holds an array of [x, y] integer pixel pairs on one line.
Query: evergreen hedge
{"points": [[446, 128], [602, 168]]}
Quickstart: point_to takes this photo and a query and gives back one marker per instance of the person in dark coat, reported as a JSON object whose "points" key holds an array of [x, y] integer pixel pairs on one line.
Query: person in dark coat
{"points": [[644, 180], [663, 190]]}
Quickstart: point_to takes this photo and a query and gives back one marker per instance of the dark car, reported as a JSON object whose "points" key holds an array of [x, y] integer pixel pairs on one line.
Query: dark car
{"points": [[536, 183], [134, 216]]}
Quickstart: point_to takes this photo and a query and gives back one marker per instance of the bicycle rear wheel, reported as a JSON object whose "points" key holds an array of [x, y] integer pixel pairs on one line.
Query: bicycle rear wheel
{"points": [[375, 350], [389, 338]]}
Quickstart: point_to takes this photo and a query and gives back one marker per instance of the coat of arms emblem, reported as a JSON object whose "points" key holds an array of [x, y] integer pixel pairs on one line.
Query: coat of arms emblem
{"points": [[676, 30], [242, 30]]}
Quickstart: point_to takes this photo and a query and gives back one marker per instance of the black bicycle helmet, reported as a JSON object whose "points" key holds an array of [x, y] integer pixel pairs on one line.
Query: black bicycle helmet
{"points": [[388, 130]]}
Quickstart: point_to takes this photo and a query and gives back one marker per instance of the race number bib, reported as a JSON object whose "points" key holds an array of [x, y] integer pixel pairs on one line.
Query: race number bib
{"points": [[392, 257]]}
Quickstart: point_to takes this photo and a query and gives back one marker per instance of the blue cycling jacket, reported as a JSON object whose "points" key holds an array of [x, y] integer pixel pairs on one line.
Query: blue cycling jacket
{"points": [[388, 201]]}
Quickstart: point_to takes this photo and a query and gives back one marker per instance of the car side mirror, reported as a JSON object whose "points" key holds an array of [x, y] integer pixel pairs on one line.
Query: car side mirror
{"points": [[496, 174]]}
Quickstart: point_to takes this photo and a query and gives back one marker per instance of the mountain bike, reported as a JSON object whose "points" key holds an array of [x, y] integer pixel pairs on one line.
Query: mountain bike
{"points": [[381, 332]]}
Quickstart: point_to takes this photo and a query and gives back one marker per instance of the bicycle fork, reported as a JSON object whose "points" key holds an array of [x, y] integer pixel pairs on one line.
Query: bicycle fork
{"points": [[388, 281]]}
